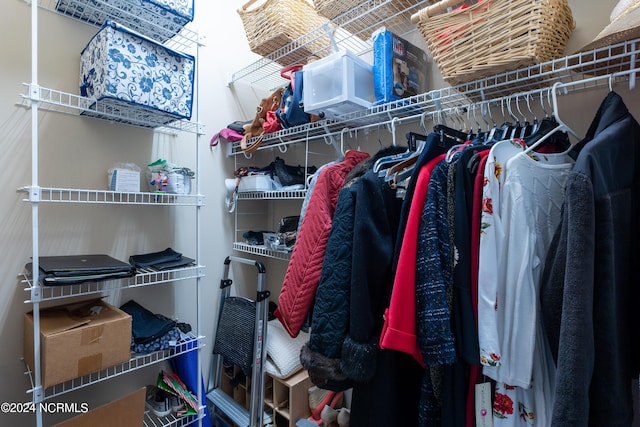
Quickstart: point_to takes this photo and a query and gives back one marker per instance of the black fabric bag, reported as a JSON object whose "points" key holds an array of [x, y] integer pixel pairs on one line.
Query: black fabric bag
{"points": [[291, 175], [146, 326]]}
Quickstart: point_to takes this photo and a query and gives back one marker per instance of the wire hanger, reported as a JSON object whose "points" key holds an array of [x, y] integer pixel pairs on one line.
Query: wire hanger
{"points": [[562, 127]]}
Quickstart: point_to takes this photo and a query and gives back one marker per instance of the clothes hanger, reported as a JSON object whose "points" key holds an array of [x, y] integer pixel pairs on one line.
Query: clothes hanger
{"points": [[562, 127], [384, 162], [514, 129], [404, 169], [525, 130], [405, 165], [457, 143], [449, 134], [507, 126], [491, 137], [548, 124], [534, 124]]}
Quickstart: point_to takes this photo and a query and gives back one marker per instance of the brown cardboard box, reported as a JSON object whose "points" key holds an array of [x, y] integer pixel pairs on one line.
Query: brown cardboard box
{"points": [[128, 411], [78, 339]]}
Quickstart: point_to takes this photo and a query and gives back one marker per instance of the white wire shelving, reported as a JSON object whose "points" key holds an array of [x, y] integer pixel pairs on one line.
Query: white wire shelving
{"points": [[68, 103], [135, 363], [487, 92], [260, 250], [174, 34], [349, 31], [151, 420], [272, 195], [143, 277], [84, 196], [144, 20]]}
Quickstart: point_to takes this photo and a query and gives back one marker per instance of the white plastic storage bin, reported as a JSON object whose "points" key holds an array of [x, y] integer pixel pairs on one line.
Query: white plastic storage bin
{"points": [[157, 19], [138, 79], [255, 183], [338, 84]]}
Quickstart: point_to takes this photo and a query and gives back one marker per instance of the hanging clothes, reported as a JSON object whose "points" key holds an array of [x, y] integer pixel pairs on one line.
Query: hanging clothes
{"points": [[347, 314], [475, 371], [433, 288], [304, 268], [390, 396], [321, 356], [398, 332], [522, 202], [590, 289]]}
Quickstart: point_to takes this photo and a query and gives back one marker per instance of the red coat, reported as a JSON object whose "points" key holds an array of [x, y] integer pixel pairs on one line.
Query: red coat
{"points": [[303, 272], [399, 330]]}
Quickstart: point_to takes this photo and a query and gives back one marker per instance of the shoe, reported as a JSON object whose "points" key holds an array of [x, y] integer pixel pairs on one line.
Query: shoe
{"points": [[319, 398], [176, 403], [344, 415], [329, 416], [157, 401]]}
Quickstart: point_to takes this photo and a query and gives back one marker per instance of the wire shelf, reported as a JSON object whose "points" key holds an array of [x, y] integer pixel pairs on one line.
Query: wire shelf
{"points": [[272, 195], [73, 195], [492, 90], [361, 20], [260, 250], [135, 363], [151, 420], [143, 277], [156, 24], [68, 103]]}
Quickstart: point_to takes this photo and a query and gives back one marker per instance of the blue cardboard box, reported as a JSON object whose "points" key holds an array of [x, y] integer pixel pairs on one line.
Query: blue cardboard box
{"points": [[399, 67]]}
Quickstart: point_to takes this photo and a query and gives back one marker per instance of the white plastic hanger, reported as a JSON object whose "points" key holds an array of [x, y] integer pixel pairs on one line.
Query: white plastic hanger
{"points": [[562, 127]]}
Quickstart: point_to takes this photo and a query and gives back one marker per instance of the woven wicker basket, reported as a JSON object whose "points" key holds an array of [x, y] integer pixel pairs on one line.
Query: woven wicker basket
{"points": [[276, 23], [393, 14], [494, 36]]}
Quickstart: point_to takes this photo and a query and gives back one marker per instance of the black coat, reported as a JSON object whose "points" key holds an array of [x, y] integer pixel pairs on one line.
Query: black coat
{"points": [[590, 287]]}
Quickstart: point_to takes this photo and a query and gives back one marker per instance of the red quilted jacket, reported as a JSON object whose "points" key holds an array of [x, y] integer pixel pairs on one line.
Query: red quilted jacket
{"points": [[303, 272]]}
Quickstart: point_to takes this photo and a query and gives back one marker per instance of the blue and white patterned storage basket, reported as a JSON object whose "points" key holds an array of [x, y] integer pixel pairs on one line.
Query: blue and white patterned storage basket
{"points": [[133, 77], [157, 19]]}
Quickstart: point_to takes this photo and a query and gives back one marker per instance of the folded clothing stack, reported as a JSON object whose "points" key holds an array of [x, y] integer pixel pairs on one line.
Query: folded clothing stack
{"points": [[152, 332], [162, 260]]}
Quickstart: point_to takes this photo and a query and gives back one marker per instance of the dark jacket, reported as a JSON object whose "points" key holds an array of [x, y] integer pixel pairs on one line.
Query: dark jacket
{"points": [[330, 321], [332, 317], [304, 269], [589, 293], [385, 383]]}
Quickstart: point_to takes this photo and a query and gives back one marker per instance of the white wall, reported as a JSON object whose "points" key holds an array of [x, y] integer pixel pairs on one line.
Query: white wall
{"points": [[76, 152]]}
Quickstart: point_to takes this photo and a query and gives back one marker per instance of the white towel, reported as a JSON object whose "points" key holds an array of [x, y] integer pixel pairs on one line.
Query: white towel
{"points": [[283, 352]]}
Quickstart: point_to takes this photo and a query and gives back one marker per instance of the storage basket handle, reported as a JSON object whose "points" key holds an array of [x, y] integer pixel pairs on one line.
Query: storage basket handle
{"points": [[247, 4], [434, 9]]}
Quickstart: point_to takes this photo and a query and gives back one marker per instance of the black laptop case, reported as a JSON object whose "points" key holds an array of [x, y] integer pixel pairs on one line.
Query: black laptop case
{"points": [[71, 269]]}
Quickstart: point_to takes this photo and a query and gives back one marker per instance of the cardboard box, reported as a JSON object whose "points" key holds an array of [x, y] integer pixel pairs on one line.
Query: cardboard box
{"points": [[78, 339], [399, 68], [128, 411]]}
